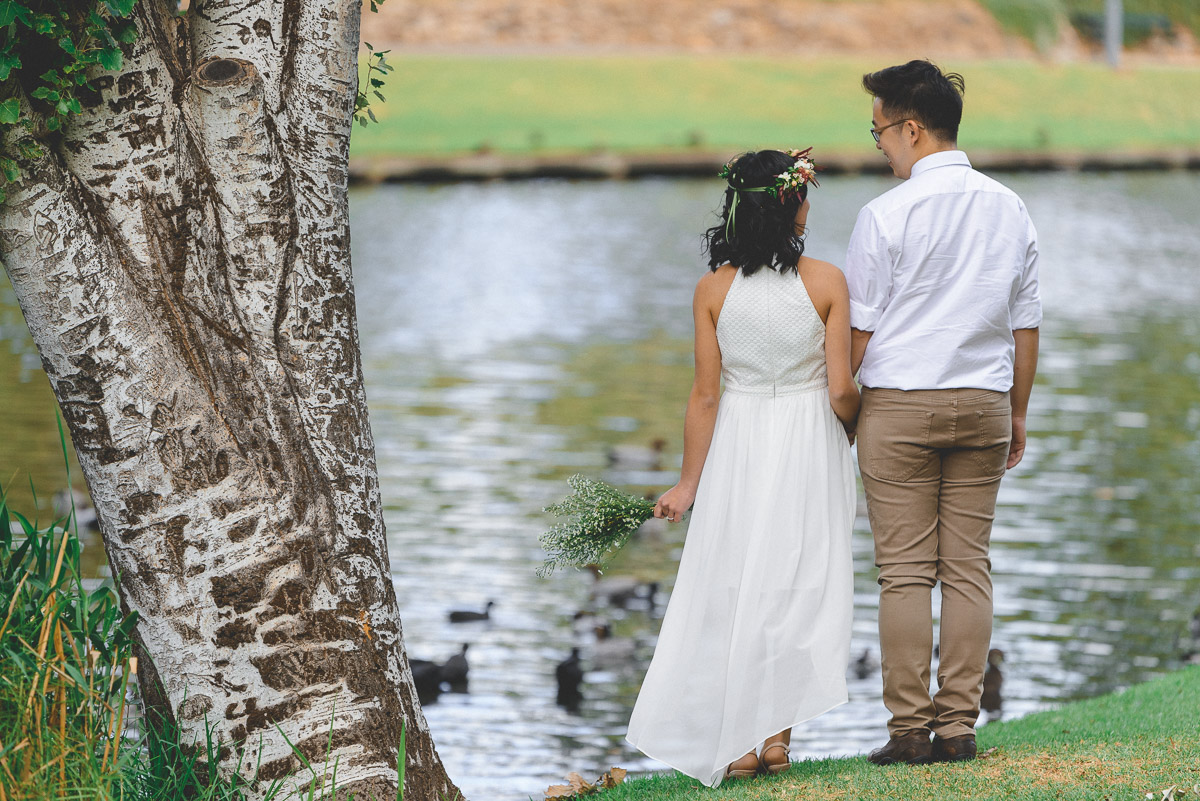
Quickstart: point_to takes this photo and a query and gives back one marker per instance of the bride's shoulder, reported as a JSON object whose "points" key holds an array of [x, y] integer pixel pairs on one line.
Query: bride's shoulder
{"points": [[825, 283], [713, 286], [717, 280]]}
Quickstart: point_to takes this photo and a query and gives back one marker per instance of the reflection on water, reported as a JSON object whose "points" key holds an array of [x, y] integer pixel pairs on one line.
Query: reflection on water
{"points": [[512, 333]]}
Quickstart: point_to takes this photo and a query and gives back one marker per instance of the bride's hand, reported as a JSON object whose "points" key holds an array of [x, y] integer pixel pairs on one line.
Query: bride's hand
{"points": [[674, 502]]}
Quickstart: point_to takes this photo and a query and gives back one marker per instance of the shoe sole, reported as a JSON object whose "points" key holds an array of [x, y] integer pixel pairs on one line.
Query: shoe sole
{"points": [[740, 775], [913, 761]]}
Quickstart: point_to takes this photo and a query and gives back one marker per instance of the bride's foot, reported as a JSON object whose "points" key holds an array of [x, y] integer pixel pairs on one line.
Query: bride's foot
{"points": [[743, 767], [776, 757]]}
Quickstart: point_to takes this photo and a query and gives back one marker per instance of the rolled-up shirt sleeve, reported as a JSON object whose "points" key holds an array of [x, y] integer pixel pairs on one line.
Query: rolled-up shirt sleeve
{"points": [[1026, 307], [868, 272]]}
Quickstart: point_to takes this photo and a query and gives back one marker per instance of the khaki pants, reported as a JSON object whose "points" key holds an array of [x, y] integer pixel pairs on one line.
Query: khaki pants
{"points": [[931, 464]]}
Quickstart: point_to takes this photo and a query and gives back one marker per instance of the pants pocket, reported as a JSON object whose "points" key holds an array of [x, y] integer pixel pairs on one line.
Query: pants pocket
{"points": [[990, 449], [896, 442]]}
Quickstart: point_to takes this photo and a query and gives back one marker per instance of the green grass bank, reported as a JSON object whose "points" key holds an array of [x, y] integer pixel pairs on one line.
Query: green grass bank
{"points": [[445, 106], [1121, 746]]}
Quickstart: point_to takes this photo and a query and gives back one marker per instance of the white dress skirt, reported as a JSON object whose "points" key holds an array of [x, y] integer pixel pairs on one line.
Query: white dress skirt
{"points": [[756, 636]]}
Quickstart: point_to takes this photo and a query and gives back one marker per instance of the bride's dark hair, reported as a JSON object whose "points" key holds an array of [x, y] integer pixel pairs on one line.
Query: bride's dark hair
{"points": [[763, 231]]}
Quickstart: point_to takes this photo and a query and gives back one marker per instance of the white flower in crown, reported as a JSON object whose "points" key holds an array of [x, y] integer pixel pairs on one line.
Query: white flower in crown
{"points": [[802, 172]]}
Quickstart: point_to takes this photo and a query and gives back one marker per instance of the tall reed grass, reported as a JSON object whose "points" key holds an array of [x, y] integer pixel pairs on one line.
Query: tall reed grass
{"points": [[66, 668], [65, 663]]}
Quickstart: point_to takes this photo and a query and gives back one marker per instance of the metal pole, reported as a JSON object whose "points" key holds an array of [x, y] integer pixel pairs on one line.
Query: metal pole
{"points": [[1114, 31]]}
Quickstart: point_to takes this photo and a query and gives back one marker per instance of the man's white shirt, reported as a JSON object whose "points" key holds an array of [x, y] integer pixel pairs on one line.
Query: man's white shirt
{"points": [[942, 269]]}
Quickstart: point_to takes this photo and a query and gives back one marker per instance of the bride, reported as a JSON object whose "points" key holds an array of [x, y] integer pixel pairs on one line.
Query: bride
{"points": [[755, 639]]}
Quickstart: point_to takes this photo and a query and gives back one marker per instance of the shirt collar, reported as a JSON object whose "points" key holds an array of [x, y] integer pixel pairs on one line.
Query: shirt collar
{"points": [[943, 158]]}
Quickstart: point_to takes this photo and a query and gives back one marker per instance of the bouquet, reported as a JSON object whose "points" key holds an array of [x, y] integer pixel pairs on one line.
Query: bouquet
{"points": [[599, 520]]}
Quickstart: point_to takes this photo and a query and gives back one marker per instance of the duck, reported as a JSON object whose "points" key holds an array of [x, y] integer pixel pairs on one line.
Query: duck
{"points": [[85, 513], [610, 651], [427, 679], [864, 666], [465, 615], [619, 590], [1189, 643], [454, 670], [569, 674], [583, 623], [993, 679], [637, 457]]}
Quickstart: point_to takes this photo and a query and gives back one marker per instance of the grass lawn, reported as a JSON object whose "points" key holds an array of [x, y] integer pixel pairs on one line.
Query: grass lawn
{"points": [[1122, 746], [447, 104]]}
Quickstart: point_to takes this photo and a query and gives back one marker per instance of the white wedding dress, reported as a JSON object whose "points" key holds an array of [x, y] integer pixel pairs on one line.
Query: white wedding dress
{"points": [[756, 636]]}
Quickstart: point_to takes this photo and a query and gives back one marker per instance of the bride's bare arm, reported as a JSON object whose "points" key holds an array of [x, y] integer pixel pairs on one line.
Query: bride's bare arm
{"points": [[701, 415], [826, 286], [843, 392]]}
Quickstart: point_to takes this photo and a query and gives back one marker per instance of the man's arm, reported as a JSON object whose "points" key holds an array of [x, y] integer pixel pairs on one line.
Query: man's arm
{"points": [[858, 348], [1024, 369], [869, 279]]}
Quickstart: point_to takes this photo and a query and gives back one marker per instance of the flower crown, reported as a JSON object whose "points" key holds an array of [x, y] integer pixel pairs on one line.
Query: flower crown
{"points": [[803, 171]]}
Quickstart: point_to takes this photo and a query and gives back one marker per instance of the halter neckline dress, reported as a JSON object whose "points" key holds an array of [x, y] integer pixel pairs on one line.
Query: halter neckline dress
{"points": [[756, 636]]}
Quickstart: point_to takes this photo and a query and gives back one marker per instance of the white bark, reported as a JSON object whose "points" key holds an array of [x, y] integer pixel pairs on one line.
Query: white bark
{"points": [[181, 254]]}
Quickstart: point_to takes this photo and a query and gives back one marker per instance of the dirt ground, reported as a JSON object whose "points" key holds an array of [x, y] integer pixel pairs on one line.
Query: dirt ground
{"points": [[948, 29]]}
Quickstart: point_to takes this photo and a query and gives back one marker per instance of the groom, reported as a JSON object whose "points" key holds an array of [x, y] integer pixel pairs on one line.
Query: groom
{"points": [[945, 311]]}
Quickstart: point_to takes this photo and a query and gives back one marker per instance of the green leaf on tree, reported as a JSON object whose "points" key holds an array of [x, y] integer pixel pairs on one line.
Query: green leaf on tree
{"points": [[11, 10], [124, 32], [120, 8], [8, 62], [67, 45], [9, 167], [110, 58], [45, 24], [54, 123], [10, 111]]}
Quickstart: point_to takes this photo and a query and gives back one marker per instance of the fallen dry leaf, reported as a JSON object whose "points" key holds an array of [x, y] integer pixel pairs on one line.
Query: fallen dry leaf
{"points": [[989, 753], [579, 787], [612, 778]]}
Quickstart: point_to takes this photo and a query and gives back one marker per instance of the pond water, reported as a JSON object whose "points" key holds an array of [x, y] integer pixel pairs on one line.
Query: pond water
{"points": [[513, 333]]}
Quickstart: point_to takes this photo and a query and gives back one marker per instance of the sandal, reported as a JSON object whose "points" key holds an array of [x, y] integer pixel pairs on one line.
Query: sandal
{"points": [[775, 770], [740, 773]]}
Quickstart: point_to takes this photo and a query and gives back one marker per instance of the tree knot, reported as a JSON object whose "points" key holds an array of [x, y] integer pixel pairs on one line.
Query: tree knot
{"points": [[224, 72]]}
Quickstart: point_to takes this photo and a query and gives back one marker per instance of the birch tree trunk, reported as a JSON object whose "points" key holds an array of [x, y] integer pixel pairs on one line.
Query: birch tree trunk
{"points": [[181, 254]]}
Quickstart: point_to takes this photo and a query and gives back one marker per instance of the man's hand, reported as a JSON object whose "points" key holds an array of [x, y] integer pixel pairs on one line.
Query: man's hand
{"points": [[1017, 449]]}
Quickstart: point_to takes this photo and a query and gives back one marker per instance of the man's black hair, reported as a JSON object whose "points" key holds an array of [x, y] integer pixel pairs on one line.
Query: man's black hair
{"points": [[920, 91]]}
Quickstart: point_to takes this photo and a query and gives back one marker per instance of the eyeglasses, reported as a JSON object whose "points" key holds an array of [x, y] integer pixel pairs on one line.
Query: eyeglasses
{"points": [[875, 132]]}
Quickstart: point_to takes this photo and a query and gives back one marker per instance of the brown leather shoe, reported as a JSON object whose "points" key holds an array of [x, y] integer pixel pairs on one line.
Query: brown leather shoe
{"points": [[954, 749], [913, 749]]}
